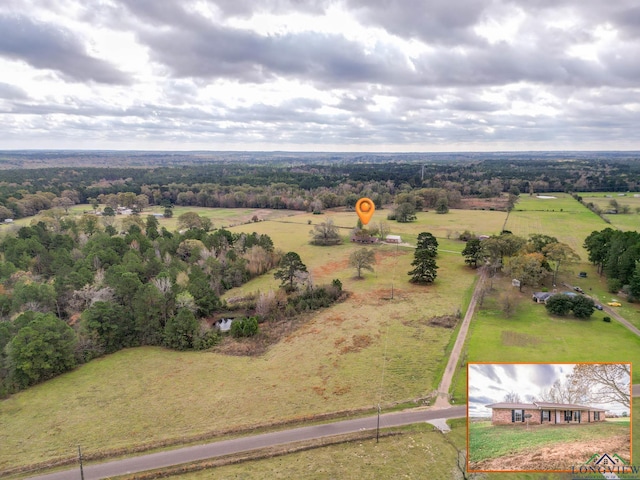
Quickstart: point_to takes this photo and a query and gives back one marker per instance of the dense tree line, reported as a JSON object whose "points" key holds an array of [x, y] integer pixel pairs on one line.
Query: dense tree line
{"points": [[530, 261], [616, 254], [300, 184]]}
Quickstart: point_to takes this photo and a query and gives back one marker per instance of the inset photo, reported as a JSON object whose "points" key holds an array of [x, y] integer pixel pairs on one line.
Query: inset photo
{"points": [[539, 417]]}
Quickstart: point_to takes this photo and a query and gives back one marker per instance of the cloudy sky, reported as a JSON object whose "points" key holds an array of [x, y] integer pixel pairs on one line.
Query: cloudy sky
{"points": [[489, 383], [343, 75]]}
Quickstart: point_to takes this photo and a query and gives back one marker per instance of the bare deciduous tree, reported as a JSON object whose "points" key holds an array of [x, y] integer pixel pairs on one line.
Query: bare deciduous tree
{"points": [[509, 303], [163, 284], [326, 233], [512, 397], [566, 391], [605, 382], [362, 259]]}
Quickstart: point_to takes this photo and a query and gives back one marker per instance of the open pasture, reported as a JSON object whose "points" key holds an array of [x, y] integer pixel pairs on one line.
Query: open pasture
{"points": [[333, 362], [548, 202], [623, 221], [563, 218]]}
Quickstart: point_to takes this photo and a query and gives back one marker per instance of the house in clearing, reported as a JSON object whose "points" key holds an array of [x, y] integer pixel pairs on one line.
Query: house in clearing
{"points": [[543, 413]]}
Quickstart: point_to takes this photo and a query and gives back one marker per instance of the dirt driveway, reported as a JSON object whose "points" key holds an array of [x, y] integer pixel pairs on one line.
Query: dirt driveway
{"points": [[559, 456]]}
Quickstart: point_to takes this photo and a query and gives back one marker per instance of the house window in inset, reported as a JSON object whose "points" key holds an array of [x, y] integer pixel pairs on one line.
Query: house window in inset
{"points": [[518, 415], [596, 416], [546, 415]]}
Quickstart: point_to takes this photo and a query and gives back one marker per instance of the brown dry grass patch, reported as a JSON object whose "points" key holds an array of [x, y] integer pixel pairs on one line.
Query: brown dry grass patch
{"points": [[445, 321], [335, 319], [331, 267], [342, 390], [472, 203], [516, 339], [358, 342]]}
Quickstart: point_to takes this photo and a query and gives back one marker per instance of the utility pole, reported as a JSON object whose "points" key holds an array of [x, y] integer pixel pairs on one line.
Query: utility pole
{"points": [[80, 460], [378, 427]]}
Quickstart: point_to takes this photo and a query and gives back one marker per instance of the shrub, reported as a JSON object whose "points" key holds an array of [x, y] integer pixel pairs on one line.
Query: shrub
{"points": [[582, 307], [606, 319], [559, 304], [207, 339], [246, 327], [466, 236], [614, 285]]}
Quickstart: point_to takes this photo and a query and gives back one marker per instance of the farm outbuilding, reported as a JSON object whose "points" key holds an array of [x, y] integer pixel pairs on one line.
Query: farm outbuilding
{"points": [[541, 297], [393, 239]]}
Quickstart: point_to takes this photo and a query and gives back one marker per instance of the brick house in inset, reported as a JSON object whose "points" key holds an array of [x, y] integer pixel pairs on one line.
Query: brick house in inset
{"points": [[544, 412]]}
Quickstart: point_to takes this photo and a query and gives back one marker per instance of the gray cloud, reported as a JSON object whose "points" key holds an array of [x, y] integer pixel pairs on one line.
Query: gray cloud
{"points": [[12, 92], [456, 89], [481, 400], [511, 371], [484, 370], [51, 47], [433, 21], [216, 51], [544, 375]]}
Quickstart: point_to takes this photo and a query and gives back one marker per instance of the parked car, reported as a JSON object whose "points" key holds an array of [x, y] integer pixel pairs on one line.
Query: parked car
{"points": [[578, 289], [597, 306], [582, 274], [614, 304]]}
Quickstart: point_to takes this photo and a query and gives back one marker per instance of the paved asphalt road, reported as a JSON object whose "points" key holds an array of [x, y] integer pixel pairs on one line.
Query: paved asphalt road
{"points": [[225, 447]]}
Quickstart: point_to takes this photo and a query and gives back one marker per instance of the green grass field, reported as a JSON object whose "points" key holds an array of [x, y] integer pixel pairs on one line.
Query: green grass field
{"points": [[561, 217], [628, 221], [489, 441], [548, 202]]}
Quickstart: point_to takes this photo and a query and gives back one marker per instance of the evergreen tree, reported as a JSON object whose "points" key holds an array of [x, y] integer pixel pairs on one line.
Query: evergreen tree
{"points": [[245, 327], [199, 286], [582, 307], [427, 241], [181, 331], [559, 304], [111, 324], [425, 270], [472, 252], [40, 350], [290, 266]]}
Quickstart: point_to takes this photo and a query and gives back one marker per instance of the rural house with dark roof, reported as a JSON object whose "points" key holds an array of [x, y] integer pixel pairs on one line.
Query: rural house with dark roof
{"points": [[544, 412]]}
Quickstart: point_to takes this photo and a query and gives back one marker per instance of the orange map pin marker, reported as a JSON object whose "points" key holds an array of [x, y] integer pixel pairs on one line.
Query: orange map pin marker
{"points": [[365, 208]]}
